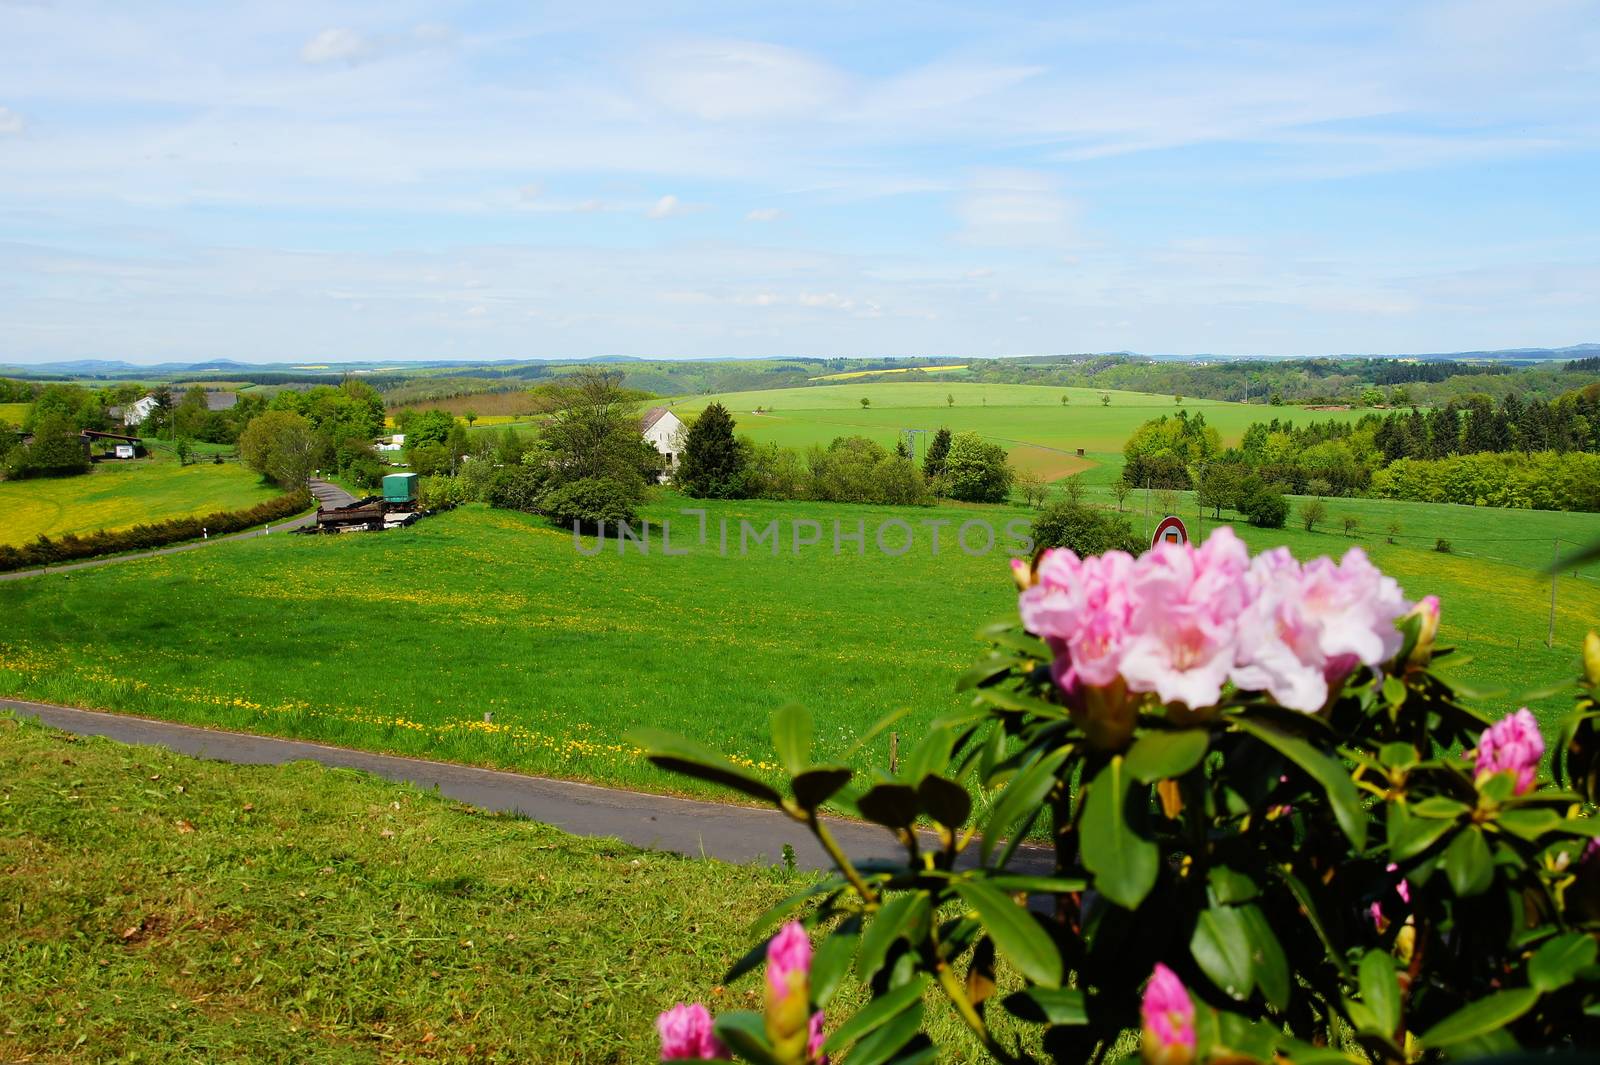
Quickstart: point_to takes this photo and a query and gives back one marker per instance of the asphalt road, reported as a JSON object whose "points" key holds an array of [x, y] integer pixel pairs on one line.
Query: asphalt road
{"points": [[687, 826]]}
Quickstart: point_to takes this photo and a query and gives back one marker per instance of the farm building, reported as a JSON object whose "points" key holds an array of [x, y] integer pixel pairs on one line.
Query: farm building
{"points": [[663, 431]]}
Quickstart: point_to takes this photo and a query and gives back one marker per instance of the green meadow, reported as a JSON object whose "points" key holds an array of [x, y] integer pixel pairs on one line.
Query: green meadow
{"points": [[116, 495], [404, 641], [14, 413]]}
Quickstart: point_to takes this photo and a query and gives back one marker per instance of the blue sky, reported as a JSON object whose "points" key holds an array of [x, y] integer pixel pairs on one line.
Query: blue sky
{"points": [[401, 180]]}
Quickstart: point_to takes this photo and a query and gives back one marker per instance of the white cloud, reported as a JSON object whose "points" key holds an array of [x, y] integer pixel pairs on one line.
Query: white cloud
{"points": [[10, 122], [764, 214], [739, 80], [670, 206], [1017, 208], [338, 45]]}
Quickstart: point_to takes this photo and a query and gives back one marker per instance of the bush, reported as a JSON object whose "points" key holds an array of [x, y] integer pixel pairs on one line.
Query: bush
{"points": [[1302, 855], [45, 551], [712, 463], [516, 488], [1313, 512], [1264, 507], [978, 471], [590, 504], [1442, 546], [1084, 530]]}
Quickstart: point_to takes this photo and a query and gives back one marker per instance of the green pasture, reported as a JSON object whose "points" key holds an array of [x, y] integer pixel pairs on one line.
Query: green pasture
{"points": [[116, 495], [1030, 420], [403, 641], [14, 413]]}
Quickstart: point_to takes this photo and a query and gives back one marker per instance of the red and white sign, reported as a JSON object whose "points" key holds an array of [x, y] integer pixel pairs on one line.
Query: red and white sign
{"points": [[1170, 531]]}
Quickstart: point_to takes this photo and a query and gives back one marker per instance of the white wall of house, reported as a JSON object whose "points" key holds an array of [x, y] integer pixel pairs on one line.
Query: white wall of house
{"points": [[138, 411], [666, 436]]}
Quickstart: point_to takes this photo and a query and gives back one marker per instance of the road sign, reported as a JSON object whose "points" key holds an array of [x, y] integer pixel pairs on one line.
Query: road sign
{"points": [[1170, 531]]}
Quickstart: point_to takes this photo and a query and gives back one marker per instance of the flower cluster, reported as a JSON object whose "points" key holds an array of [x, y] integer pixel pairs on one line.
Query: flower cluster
{"points": [[794, 1031], [1182, 622], [1511, 745]]}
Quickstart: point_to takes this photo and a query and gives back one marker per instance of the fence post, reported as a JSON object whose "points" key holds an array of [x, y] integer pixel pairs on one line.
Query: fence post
{"points": [[894, 753]]}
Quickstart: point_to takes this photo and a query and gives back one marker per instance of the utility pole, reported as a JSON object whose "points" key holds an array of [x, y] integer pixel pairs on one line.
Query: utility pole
{"points": [[1550, 639], [1147, 506]]}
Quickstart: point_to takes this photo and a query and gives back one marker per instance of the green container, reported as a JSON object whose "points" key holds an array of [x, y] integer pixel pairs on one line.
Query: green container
{"points": [[400, 488]]}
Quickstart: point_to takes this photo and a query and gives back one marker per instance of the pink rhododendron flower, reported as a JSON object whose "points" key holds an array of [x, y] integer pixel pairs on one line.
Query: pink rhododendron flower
{"points": [[1082, 608], [815, 1040], [686, 1033], [1512, 745], [789, 960], [1307, 627], [1168, 1016], [1403, 889], [1187, 603]]}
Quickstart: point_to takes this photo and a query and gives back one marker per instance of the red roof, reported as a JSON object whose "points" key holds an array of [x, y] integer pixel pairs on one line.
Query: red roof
{"points": [[651, 416]]}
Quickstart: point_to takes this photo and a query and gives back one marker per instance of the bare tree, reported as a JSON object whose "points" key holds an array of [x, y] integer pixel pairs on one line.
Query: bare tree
{"points": [[1121, 489], [1033, 487], [1311, 512], [1073, 488]]}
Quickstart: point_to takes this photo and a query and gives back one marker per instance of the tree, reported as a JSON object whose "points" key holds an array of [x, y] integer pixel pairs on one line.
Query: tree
{"points": [[1352, 524], [978, 470], [1262, 505], [1105, 399], [430, 459], [1084, 530], [596, 435], [185, 449], [1393, 529], [900, 449], [470, 416], [1032, 486], [1177, 399], [933, 459], [1121, 489], [865, 402], [1073, 488], [56, 450], [1065, 399], [1167, 501], [712, 466], [590, 503], [282, 445], [949, 399], [1217, 487], [1311, 512]]}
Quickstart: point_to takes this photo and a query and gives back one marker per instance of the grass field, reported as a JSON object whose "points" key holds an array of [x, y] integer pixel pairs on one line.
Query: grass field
{"points": [[161, 909], [853, 374], [14, 413], [1030, 420], [115, 495], [403, 641]]}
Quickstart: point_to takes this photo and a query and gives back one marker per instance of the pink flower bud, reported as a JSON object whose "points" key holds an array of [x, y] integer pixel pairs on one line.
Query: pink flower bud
{"points": [[1512, 745], [1427, 609], [788, 1017], [686, 1034], [789, 954], [814, 1043], [1168, 1015]]}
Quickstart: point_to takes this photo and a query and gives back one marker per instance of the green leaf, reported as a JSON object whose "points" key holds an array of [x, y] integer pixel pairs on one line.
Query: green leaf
{"points": [[986, 671], [1380, 990], [889, 1039], [816, 786], [1440, 807], [1409, 836], [877, 1013], [1042, 1005], [946, 801], [1488, 1014], [1270, 967], [1468, 864], [1162, 755], [776, 913], [1221, 947], [678, 755], [791, 737], [1037, 885], [1123, 862], [1027, 704], [832, 960], [1335, 782], [1022, 796], [1308, 908], [1230, 885], [1016, 934], [1557, 963], [746, 1034], [894, 805], [930, 755], [1529, 824], [897, 917], [1397, 755]]}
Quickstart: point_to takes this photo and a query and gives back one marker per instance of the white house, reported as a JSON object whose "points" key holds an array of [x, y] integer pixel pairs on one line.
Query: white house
{"points": [[663, 431], [138, 411]]}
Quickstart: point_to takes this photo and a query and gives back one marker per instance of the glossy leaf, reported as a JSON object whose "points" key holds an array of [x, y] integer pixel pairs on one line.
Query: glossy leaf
{"points": [[832, 960], [946, 801], [1558, 962], [746, 1034], [1018, 937], [893, 805], [1159, 755], [885, 1043], [1335, 782], [1410, 835], [1221, 947], [876, 1013], [1468, 864], [692, 759], [1043, 1005], [1229, 885], [1380, 990], [1124, 863], [791, 737], [1269, 966], [1023, 795], [816, 786], [930, 755], [1489, 1014], [897, 917]]}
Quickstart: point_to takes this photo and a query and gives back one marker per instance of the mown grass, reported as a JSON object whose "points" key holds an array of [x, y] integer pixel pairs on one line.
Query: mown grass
{"points": [[1013, 415], [403, 641], [162, 909], [14, 413], [116, 495]]}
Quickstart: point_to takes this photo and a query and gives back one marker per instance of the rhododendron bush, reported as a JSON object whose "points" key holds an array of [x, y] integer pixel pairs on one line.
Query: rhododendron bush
{"points": [[1269, 827]]}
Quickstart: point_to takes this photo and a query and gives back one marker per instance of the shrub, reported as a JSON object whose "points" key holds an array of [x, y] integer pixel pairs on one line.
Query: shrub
{"points": [[1312, 513], [1084, 530], [1442, 546], [590, 503], [978, 470], [712, 464], [1315, 854], [1264, 507], [45, 551], [516, 488]]}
